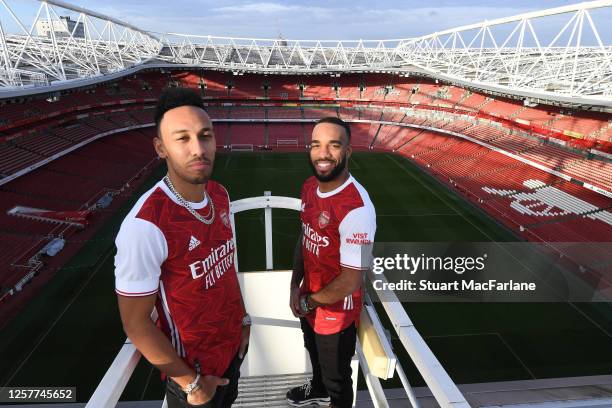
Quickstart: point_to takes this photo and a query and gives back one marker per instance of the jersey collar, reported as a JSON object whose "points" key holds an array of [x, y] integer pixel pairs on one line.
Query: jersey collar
{"points": [[338, 189], [195, 206]]}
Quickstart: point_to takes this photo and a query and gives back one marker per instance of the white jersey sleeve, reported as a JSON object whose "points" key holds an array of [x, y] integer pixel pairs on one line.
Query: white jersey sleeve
{"points": [[141, 250], [357, 231]]}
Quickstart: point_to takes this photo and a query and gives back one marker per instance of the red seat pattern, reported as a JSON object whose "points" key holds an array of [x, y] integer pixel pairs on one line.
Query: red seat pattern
{"points": [[281, 131], [247, 133], [65, 184], [495, 181], [465, 165]]}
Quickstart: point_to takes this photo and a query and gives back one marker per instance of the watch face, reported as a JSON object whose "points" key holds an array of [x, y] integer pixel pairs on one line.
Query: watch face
{"points": [[304, 304]]}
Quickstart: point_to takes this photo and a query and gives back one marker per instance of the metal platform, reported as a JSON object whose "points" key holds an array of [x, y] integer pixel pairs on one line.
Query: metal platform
{"points": [[277, 360], [267, 391]]}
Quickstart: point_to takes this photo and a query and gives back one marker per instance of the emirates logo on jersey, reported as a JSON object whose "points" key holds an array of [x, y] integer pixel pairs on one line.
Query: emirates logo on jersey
{"points": [[214, 266], [324, 218], [224, 218], [313, 240]]}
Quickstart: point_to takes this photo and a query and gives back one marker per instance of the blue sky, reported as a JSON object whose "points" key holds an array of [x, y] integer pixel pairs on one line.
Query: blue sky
{"points": [[354, 19], [346, 19]]}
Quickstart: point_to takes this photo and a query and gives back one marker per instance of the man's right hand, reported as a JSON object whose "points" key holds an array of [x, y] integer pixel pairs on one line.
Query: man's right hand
{"points": [[294, 302], [206, 392]]}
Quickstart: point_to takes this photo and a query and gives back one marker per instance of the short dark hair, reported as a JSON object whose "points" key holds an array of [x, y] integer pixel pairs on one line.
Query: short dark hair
{"points": [[171, 98], [336, 121]]}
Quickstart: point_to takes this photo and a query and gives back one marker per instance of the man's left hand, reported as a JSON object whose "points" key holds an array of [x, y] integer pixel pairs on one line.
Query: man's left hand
{"points": [[244, 341]]}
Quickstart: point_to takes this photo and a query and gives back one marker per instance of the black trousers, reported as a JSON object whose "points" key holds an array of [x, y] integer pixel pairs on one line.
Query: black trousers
{"points": [[330, 356], [224, 396]]}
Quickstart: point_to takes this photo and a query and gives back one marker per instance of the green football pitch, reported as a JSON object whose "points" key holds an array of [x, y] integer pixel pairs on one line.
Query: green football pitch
{"points": [[70, 333]]}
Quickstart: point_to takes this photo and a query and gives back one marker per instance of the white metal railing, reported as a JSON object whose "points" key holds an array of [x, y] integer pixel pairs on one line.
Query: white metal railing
{"points": [[267, 202], [445, 391]]}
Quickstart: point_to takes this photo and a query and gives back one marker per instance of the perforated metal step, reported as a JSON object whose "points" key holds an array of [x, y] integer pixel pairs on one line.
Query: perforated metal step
{"points": [[267, 391]]}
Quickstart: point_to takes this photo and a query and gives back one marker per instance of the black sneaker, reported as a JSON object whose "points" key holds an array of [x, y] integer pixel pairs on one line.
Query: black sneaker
{"points": [[304, 396]]}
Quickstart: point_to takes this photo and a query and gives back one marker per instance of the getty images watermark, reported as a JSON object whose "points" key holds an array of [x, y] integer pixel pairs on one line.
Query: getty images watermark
{"points": [[491, 271]]}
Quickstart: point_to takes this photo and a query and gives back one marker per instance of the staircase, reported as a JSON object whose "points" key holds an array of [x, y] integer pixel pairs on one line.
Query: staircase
{"points": [[517, 112], [484, 103], [600, 132], [553, 120], [465, 95], [266, 391]]}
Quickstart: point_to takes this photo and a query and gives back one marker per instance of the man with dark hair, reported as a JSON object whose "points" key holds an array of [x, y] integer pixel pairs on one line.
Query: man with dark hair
{"points": [[338, 227], [175, 252]]}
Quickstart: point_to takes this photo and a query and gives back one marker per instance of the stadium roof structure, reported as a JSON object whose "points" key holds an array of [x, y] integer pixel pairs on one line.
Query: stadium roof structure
{"points": [[556, 55]]}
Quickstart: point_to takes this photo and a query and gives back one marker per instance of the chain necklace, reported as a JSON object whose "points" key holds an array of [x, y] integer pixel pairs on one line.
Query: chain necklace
{"points": [[188, 207]]}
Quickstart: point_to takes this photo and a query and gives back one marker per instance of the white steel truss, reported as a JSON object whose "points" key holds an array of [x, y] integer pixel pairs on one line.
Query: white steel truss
{"points": [[557, 54], [94, 46], [280, 55], [553, 52]]}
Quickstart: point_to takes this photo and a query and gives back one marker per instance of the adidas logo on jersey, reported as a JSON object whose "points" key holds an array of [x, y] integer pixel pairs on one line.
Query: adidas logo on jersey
{"points": [[193, 243]]}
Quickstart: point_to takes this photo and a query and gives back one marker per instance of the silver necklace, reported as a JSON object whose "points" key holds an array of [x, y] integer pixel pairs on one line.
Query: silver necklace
{"points": [[188, 207]]}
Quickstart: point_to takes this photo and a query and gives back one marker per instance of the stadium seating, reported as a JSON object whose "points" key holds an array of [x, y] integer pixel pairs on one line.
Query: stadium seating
{"points": [[248, 86], [319, 88], [34, 128], [502, 108], [597, 172], [247, 133], [496, 181], [349, 87], [13, 158], [215, 83], [286, 87], [389, 135], [65, 184], [218, 112], [283, 113], [285, 133], [582, 125], [537, 116], [222, 133], [471, 101], [238, 112], [23, 151], [514, 144], [142, 116], [311, 113], [44, 146]]}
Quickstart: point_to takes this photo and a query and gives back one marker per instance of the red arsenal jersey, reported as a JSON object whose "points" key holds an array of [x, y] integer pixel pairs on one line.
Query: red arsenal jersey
{"points": [[338, 228], [163, 249]]}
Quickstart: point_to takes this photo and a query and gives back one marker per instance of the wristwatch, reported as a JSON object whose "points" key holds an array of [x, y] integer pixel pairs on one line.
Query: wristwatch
{"points": [[246, 320], [193, 386], [305, 305]]}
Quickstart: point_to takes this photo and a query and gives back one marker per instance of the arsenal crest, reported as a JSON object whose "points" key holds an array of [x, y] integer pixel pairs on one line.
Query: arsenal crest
{"points": [[224, 218], [323, 219]]}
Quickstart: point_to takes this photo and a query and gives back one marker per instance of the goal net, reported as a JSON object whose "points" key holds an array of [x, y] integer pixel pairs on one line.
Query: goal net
{"points": [[287, 143], [241, 147]]}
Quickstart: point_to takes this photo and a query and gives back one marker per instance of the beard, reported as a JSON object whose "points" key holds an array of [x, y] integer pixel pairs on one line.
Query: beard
{"points": [[334, 174], [184, 175]]}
